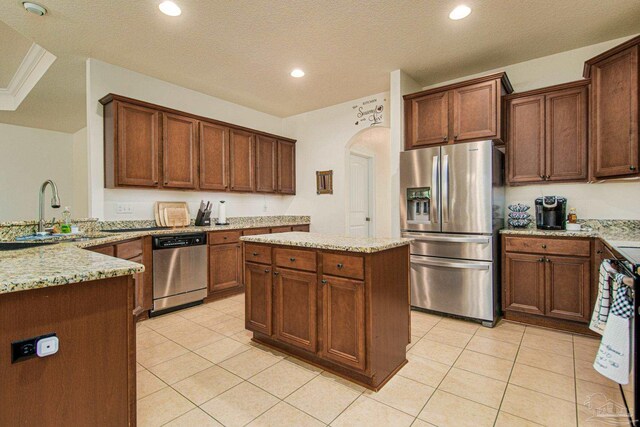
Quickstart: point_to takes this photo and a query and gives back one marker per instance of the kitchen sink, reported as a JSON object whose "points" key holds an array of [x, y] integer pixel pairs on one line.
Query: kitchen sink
{"points": [[12, 246], [127, 230]]}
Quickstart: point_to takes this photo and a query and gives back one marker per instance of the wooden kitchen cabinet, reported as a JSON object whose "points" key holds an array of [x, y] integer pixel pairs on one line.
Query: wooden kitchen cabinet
{"points": [[242, 160], [615, 110], [266, 166], [179, 152], [460, 112], [286, 167], [568, 288], [343, 321], [214, 157], [258, 297], [295, 308], [524, 283], [225, 267], [547, 134]]}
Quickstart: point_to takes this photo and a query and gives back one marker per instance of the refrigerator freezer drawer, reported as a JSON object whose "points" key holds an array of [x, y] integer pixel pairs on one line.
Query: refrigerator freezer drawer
{"points": [[459, 287], [477, 247]]}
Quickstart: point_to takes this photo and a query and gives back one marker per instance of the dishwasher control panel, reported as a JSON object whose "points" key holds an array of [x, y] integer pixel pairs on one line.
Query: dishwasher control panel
{"points": [[177, 241]]}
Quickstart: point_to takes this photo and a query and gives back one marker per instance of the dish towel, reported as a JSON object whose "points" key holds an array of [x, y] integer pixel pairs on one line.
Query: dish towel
{"points": [[613, 357], [603, 300]]}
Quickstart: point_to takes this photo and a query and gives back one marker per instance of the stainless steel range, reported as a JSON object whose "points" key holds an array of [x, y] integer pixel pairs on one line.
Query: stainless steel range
{"points": [[452, 204]]}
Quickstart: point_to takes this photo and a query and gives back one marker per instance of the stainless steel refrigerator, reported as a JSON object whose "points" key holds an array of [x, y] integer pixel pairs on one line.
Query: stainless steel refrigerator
{"points": [[452, 204]]}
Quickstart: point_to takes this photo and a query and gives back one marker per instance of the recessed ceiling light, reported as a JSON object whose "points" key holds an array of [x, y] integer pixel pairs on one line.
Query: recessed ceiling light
{"points": [[297, 73], [34, 8], [460, 12], [170, 8]]}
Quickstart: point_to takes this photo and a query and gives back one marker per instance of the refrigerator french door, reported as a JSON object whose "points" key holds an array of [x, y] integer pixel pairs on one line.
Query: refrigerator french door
{"points": [[452, 204]]}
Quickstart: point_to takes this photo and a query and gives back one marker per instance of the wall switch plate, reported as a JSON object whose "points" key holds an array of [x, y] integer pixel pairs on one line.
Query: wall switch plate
{"points": [[124, 208]]}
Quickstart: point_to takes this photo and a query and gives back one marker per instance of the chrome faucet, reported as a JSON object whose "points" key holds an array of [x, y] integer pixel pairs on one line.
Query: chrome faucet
{"points": [[55, 203]]}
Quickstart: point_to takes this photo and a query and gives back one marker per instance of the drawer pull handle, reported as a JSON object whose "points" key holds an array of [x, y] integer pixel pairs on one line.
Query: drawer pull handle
{"points": [[323, 281], [599, 251], [267, 270], [544, 246], [340, 265], [225, 237], [632, 168], [548, 260], [540, 259], [255, 254], [275, 273], [292, 259]]}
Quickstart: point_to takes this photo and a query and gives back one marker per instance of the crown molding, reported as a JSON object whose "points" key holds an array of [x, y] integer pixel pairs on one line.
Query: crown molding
{"points": [[34, 65]]}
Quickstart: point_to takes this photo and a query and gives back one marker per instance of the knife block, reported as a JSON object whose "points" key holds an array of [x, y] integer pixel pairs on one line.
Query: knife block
{"points": [[203, 218]]}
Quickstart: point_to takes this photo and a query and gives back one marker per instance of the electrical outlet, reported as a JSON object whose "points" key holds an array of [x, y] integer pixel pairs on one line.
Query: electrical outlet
{"points": [[124, 208]]}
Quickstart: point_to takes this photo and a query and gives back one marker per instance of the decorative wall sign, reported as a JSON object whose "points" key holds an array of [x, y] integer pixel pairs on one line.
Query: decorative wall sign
{"points": [[369, 112], [324, 182]]}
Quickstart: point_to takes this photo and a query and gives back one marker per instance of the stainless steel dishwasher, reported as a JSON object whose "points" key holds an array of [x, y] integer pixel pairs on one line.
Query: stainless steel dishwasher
{"points": [[179, 271]]}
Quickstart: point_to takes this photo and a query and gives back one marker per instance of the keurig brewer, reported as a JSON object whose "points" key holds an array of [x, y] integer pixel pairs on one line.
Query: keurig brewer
{"points": [[551, 212]]}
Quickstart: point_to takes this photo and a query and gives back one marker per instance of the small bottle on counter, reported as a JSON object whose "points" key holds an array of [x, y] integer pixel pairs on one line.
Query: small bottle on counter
{"points": [[572, 218], [65, 227]]}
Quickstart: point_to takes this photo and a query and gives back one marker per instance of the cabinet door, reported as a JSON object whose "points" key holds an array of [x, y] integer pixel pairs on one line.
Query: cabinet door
{"points": [[214, 157], [614, 124], [525, 143], [179, 152], [241, 160], [524, 283], [343, 321], [258, 297], [566, 134], [225, 266], [286, 167], [427, 120], [475, 111], [296, 299], [137, 146], [138, 280], [568, 288], [266, 167]]}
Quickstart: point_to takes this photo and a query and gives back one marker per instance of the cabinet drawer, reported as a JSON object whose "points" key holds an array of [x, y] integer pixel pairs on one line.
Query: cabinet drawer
{"points": [[222, 237], [343, 265], [129, 250], [281, 229], [105, 250], [257, 253], [296, 259], [534, 245], [254, 231]]}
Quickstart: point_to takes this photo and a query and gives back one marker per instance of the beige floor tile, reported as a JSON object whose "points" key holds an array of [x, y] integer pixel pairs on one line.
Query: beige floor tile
{"points": [[548, 333], [181, 367], [419, 423], [190, 313], [457, 325], [586, 340], [283, 378], [284, 414], [249, 363], [230, 327], [501, 333], [244, 337], [149, 339], [420, 331], [538, 407], [240, 405], [152, 356], [194, 418], [508, 420], [342, 381], [304, 365], [414, 340], [501, 349], [212, 319], [139, 367], [543, 381], [142, 329], [207, 384], [444, 409], [548, 344], [436, 351], [222, 350], [424, 320], [586, 352], [365, 412], [164, 321], [585, 371], [323, 398], [478, 388], [196, 340], [232, 307], [448, 336], [586, 391], [483, 364], [403, 394], [181, 328], [513, 326], [546, 360], [161, 407], [424, 370], [147, 383], [223, 303]]}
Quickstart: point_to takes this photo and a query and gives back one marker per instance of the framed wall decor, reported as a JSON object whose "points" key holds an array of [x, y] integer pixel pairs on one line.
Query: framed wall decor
{"points": [[324, 182]]}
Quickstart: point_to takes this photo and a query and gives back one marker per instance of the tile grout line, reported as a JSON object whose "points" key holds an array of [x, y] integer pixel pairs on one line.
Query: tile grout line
{"points": [[509, 378]]}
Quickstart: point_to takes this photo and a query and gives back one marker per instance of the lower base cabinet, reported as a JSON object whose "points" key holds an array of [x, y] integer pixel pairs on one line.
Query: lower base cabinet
{"points": [[295, 308], [258, 297], [225, 267]]}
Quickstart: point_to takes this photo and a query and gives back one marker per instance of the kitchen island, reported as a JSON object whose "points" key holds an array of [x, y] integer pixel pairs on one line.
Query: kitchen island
{"points": [[341, 303], [86, 299]]}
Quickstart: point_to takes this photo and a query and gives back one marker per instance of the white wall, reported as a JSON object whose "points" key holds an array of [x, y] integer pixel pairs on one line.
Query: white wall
{"points": [[608, 200], [80, 174], [322, 137], [102, 79], [29, 157]]}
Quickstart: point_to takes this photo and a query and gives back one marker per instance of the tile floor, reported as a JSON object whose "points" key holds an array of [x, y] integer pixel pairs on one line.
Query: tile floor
{"points": [[198, 367]]}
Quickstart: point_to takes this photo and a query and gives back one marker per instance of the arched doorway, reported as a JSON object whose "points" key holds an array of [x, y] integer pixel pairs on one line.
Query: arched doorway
{"points": [[368, 183]]}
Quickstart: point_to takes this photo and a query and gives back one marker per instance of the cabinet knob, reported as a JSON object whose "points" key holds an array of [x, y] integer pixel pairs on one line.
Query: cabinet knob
{"points": [[155, 182], [340, 265], [455, 137], [275, 273], [544, 246], [541, 176], [224, 238], [292, 259], [546, 177], [255, 254], [267, 270], [323, 281], [632, 168], [540, 259], [548, 260], [445, 138], [599, 251]]}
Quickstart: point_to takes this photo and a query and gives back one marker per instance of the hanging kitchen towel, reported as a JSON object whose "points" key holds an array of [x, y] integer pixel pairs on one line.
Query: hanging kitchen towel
{"points": [[603, 300], [613, 357]]}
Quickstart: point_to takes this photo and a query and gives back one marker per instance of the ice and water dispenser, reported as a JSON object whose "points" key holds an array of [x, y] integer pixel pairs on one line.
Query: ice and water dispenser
{"points": [[419, 205]]}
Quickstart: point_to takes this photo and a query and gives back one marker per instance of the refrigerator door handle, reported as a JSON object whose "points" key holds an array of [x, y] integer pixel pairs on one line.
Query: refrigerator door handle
{"points": [[450, 264], [445, 188], [435, 184], [431, 238]]}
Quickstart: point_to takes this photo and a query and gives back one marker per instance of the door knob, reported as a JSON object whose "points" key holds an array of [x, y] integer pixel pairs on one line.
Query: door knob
{"points": [[275, 273], [541, 176], [546, 177], [544, 246], [548, 260], [632, 168], [445, 138], [323, 281], [540, 259], [266, 271], [292, 259], [340, 265], [255, 254]]}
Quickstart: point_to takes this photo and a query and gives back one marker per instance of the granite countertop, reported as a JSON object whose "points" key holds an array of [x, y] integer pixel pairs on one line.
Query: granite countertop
{"points": [[55, 265], [326, 241]]}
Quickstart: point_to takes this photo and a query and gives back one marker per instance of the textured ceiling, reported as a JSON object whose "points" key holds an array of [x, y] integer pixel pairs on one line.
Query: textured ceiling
{"points": [[13, 47], [243, 50]]}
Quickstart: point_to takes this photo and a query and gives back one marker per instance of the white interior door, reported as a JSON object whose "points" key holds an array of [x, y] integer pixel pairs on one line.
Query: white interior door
{"points": [[359, 188]]}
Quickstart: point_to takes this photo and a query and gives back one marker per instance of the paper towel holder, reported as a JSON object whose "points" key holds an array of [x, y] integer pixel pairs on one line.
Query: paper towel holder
{"points": [[222, 214]]}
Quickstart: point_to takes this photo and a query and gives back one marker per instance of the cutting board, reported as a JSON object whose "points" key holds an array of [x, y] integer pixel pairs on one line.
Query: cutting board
{"points": [[172, 214]]}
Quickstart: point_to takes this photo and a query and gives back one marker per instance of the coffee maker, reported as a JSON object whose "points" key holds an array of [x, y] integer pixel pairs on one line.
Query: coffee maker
{"points": [[551, 212]]}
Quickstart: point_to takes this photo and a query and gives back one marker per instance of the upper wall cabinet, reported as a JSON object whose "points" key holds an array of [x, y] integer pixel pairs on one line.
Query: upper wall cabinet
{"points": [[460, 112], [614, 111], [149, 146], [547, 134]]}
